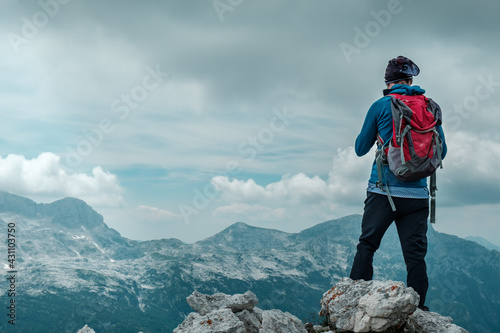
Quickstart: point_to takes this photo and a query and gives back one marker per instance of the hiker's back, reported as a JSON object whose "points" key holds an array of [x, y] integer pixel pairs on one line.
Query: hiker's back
{"points": [[415, 149]]}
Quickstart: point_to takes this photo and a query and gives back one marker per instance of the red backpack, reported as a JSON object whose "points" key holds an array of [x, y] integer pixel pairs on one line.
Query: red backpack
{"points": [[415, 148]]}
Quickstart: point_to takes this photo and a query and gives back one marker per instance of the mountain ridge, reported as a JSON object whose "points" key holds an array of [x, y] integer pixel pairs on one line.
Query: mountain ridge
{"points": [[95, 276], [484, 242], [74, 209]]}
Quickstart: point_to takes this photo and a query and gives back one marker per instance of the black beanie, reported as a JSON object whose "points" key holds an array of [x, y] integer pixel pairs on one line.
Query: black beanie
{"points": [[400, 68]]}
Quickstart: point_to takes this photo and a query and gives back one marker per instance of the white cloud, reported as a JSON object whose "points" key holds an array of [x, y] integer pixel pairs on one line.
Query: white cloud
{"points": [[155, 215], [297, 200], [470, 171], [291, 189], [469, 177], [44, 177], [349, 175], [476, 155], [182, 96], [346, 183]]}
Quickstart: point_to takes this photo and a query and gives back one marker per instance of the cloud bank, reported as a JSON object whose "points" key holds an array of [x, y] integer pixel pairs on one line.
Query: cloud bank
{"points": [[44, 178]]}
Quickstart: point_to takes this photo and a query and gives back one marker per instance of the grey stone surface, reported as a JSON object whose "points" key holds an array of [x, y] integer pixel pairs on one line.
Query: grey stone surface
{"points": [[351, 306], [235, 314], [368, 306], [258, 312], [204, 304], [217, 321], [250, 320], [276, 321], [380, 306], [431, 322], [86, 329]]}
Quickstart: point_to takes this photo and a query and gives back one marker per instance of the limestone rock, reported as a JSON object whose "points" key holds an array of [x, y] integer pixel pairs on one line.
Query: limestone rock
{"points": [[351, 306], [258, 312], [250, 319], [276, 321], [368, 306], [320, 329], [222, 313], [204, 304], [431, 322], [217, 321], [86, 329]]}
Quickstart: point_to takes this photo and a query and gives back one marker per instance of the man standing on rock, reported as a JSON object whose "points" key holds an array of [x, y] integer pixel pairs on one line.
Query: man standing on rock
{"points": [[410, 198]]}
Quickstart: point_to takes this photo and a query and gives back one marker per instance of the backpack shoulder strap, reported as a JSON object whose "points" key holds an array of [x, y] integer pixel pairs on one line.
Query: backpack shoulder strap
{"points": [[435, 109]]}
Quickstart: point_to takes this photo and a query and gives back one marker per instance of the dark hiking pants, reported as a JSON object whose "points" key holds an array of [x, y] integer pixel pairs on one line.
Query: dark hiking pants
{"points": [[411, 222]]}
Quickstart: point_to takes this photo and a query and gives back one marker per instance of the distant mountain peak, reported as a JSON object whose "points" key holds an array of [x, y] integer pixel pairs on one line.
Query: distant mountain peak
{"points": [[72, 200], [241, 225], [70, 212], [11, 203], [241, 236], [238, 226], [484, 242]]}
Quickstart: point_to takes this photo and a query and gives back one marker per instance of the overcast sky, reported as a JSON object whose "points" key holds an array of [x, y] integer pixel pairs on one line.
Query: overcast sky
{"points": [[175, 119]]}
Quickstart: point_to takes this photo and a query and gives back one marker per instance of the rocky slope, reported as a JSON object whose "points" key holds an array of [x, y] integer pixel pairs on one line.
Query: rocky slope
{"points": [[74, 267]]}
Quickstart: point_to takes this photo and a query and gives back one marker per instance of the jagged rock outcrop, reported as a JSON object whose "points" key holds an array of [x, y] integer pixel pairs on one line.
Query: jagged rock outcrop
{"points": [[361, 306], [221, 313], [219, 321], [380, 306], [250, 319], [204, 304], [350, 306], [85, 329], [431, 322], [276, 321]]}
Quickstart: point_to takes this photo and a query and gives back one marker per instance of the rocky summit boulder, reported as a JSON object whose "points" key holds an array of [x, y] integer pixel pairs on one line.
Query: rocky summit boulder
{"points": [[371, 306], [218, 321], [86, 329], [431, 322], [276, 321], [380, 306], [350, 306], [204, 304], [221, 313]]}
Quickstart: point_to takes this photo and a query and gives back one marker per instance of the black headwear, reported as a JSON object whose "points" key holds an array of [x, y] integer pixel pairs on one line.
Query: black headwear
{"points": [[400, 68]]}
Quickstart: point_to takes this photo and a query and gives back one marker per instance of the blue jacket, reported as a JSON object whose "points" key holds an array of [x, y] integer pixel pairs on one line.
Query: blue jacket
{"points": [[379, 120]]}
